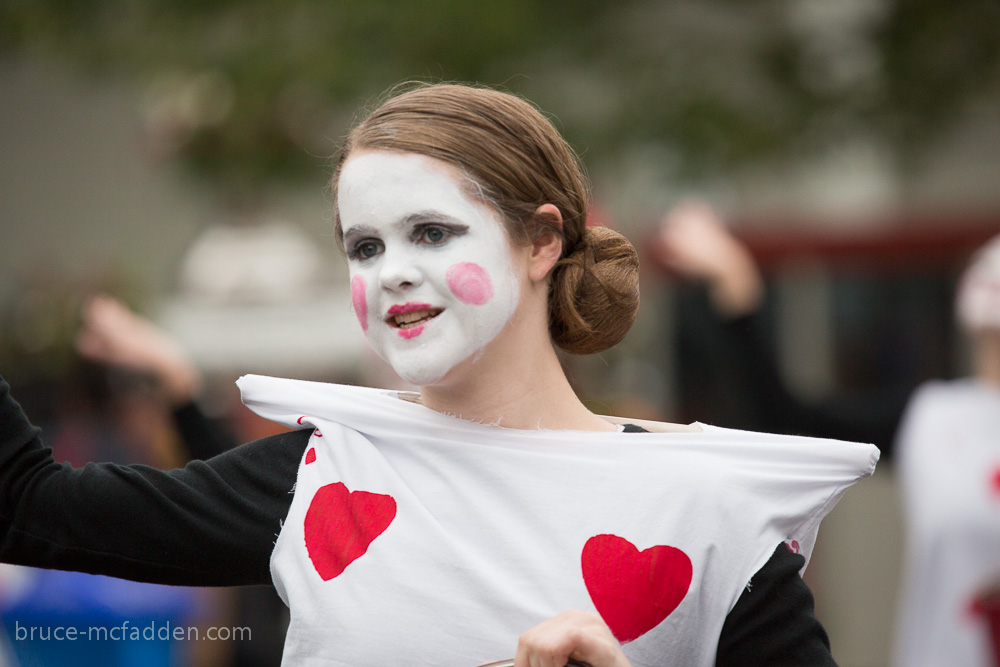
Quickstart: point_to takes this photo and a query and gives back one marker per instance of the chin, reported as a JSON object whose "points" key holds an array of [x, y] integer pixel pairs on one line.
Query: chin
{"points": [[435, 365], [419, 372], [422, 377], [435, 374]]}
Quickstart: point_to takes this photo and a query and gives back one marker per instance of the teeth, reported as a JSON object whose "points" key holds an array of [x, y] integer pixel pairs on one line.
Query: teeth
{"points": [[407, 320]]}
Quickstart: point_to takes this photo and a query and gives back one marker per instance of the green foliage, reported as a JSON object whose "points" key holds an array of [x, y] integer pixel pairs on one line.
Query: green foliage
{"points": [[249, 90]]}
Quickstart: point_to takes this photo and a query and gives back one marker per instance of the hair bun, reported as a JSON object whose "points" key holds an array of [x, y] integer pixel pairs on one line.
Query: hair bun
{"points": [[594, 294]]}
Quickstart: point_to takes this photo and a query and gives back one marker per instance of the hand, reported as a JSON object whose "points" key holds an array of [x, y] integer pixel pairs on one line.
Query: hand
{"points": [[113, 334], [695, 243], [576, 635]]}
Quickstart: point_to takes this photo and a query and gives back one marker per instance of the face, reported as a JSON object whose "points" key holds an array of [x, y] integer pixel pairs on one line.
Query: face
{"points": [[432, 273]]}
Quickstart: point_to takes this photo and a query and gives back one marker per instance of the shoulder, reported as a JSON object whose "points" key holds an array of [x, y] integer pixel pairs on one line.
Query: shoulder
{"points": [[944, 401], [938, 390], [275, 453], [286, 440], [941, 411], [291, 438]]}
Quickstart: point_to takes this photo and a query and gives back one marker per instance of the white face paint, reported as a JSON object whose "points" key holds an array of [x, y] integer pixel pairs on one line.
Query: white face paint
{"points": [[432, 279]]}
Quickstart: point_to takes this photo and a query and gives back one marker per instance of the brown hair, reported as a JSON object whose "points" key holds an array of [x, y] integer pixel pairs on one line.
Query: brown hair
{"points": [[516, 161]]}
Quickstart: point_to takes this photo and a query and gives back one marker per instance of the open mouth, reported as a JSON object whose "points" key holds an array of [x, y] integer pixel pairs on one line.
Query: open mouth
{"points": [[410, 316], [415, 319]]}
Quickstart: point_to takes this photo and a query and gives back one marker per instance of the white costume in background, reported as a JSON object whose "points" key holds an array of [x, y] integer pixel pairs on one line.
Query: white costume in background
{"points": [[949, 468], [417, 534]]}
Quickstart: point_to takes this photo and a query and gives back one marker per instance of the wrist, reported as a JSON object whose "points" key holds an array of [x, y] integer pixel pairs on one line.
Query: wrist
{"points": [[739, 290], [181, 385]]}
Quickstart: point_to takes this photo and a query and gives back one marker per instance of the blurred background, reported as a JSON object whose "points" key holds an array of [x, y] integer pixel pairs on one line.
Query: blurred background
{"points": [[176, 155]]}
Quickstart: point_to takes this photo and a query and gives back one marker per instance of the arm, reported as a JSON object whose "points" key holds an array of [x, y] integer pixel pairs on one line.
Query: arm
{"points": [[695, 243], [113, 334], [772, 623], [873, 418], [211, 523]]}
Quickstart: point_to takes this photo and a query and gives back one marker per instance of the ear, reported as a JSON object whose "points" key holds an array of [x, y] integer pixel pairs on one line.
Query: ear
{"points": [[547, 246]]}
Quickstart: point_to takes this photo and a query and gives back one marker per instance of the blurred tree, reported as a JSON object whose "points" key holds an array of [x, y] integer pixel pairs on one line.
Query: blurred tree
{"points": [[257, 89]]}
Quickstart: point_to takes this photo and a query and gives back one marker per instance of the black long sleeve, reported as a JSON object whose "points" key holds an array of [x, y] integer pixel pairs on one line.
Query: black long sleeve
{"points": [[872, 418], [728, 374], [211, 523], [772, 624]]}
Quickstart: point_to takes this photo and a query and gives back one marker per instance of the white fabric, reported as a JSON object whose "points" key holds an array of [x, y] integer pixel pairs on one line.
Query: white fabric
{"points": [[949, 471], [489, 531]]}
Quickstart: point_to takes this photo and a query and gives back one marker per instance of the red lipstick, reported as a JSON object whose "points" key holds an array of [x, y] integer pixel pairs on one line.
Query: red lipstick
{"points": [[408, 308]]}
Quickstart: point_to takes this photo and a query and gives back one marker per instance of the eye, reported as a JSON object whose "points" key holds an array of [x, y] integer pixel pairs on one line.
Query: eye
{"points": [[434, 235], [365, 249]]}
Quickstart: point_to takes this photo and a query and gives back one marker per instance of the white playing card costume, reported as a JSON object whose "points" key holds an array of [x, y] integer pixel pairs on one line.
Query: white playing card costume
{"points": [[416, 538], [948, 465]]}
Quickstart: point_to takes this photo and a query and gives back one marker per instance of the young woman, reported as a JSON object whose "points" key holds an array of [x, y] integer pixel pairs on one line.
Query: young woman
{"points": [[491, 513]]}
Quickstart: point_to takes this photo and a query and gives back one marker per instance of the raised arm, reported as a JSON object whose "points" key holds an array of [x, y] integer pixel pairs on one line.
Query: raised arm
{"points": [[113, 334], [211, 523]]}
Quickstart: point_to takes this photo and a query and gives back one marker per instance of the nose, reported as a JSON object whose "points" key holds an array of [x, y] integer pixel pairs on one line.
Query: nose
{"points": [[399, 272]]}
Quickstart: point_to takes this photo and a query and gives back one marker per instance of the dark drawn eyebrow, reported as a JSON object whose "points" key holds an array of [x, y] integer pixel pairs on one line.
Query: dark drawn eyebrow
{"points": [[433, 217], [359, 230]]}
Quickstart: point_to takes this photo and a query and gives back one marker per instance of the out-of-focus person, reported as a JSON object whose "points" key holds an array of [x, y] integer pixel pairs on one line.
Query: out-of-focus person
{"points": [[948, 464], [114, 334], [117, 623], [694, 242]]}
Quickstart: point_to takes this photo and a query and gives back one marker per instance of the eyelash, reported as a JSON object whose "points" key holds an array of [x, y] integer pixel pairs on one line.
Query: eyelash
{"points": [[419, 235], [354, 252]]}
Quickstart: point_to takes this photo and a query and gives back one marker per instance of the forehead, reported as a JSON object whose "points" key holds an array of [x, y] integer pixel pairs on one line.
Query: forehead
{"points": [[380, 187]]}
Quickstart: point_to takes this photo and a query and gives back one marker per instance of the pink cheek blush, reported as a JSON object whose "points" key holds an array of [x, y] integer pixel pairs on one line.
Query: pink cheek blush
{"points": [[470, 283], [358, 288], [412, 332]]}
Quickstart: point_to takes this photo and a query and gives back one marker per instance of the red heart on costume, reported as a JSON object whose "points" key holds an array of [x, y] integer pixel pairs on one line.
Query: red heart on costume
{"points": [[340, 524], [634, 590]]}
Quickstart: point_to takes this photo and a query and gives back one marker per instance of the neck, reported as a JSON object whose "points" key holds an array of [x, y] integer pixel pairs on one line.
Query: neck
{"points": [[529, 397], [506, 386], [987, 353]]}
